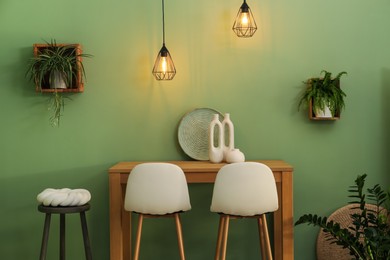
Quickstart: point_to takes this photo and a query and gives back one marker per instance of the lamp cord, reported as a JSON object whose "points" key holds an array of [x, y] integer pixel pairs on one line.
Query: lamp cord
{"points": [[163, 18]]}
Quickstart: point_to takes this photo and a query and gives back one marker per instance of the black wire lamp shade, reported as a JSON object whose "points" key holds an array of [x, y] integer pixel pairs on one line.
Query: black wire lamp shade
{"points": [[164, 69], [244, 25]]}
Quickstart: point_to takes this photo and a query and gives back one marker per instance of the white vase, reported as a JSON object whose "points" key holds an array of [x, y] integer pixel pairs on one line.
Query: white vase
{"points": [[228, 129], [58, 80], [234, 156], [215, 149], [323, 113]]}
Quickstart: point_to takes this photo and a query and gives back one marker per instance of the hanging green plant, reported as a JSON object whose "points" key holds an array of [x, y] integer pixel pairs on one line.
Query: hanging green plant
{"points": [[52, 60], [57, 68], [57, 106]]}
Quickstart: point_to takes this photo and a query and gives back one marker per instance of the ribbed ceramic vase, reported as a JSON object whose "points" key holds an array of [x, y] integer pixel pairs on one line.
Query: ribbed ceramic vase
{"points": [[216, 148]]}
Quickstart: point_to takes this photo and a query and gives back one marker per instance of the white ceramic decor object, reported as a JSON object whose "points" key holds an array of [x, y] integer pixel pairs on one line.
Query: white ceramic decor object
{"points": [[64, 197], [228, 129], [323, 113], [234, 156], [216, 149], [59, 81]]}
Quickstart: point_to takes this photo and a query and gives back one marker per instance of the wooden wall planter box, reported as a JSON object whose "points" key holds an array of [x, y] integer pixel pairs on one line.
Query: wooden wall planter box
{"points": [[312, 116], [77, 85]]}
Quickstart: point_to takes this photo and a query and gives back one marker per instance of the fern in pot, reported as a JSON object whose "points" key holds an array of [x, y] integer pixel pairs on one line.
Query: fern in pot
{"points": [[324, 94], [58, 69]]}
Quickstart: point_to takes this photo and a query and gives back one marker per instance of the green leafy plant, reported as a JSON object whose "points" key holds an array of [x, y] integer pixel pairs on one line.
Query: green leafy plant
{"points": [[324, 92], [368, 237], [56, 59], [57, 106], [52, 66]]}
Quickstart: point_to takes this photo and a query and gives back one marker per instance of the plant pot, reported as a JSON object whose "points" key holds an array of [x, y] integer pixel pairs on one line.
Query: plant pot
{"points": [[325, 113], [58, 81], [321, 115]]}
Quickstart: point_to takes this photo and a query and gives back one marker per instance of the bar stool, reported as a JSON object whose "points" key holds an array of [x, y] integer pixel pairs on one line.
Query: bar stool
{"points": [[48, 210], [157, 190], [64, 201], [244, 190]]}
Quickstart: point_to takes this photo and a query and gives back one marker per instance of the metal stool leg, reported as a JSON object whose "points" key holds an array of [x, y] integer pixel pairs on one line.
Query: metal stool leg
{"points": [[62, 236], [45, 237], [87, 245]]}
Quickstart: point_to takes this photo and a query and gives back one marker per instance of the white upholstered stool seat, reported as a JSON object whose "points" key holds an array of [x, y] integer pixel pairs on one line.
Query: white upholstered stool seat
{"points": [[157, 190], [244, 190]]}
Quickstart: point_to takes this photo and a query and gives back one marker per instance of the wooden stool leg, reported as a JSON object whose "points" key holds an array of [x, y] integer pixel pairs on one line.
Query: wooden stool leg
{"points": [[138, 237], [62, 236], [219, 239], [84, 228], [260, 225], [179, 236], [45, 237], [225, 236], [266, 235]]}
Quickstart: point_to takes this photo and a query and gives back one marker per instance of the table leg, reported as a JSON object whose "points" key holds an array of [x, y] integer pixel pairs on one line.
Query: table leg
{"points": [[283, 220], [126, 235], [287, 216], [116, 204], [278, 229]]}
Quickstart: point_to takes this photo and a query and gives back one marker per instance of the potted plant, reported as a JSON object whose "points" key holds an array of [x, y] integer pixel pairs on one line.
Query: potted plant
{"points": [[57, 68], [368, 237], [323, 96]]}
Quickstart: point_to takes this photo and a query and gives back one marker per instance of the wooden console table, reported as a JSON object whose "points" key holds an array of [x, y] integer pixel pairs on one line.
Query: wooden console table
{"points": [[200, 172]]}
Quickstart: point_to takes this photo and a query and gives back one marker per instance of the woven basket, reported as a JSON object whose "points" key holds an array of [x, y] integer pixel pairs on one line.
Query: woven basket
{"points": [[328, 251], [193, 132]]}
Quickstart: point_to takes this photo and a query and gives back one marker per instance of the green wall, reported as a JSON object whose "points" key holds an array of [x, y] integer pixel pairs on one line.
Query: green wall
{"points": [[124, 114]]}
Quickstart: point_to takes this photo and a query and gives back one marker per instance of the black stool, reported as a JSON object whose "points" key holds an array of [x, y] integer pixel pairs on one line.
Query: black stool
{"points": [[62, 211]]}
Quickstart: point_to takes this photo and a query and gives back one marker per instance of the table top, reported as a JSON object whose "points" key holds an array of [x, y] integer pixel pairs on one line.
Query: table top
{"points": [[199, 166]]}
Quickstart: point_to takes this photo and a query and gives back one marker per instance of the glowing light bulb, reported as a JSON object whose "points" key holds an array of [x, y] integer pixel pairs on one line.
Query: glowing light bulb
{"points": [[244, 18], [164, 64]]}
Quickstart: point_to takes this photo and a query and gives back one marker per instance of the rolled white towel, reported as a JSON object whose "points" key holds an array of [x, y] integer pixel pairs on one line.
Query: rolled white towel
{"points": [[84, 194], [47, 192], [64, 197]]}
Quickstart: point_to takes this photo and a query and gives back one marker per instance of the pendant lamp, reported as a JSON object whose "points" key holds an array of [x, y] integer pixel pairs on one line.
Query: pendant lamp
{"points": [[164, 69], [244, 25]]}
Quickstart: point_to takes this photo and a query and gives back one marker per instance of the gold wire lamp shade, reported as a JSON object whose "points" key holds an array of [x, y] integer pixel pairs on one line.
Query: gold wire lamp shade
{"points": [[164, 69], [244, 25]]}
